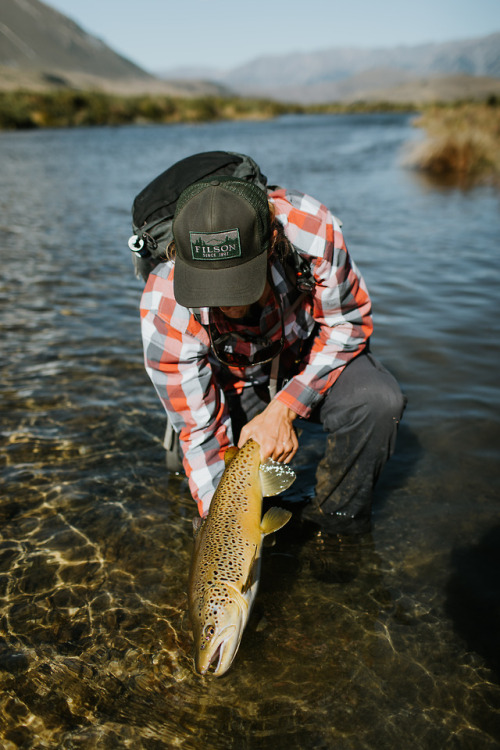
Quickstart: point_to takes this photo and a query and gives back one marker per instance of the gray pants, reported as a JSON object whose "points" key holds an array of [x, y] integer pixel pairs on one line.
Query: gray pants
{"points": [[361, 414]]}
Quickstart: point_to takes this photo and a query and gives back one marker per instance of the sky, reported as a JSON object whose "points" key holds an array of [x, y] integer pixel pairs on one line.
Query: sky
{"points": [[161, 35]]}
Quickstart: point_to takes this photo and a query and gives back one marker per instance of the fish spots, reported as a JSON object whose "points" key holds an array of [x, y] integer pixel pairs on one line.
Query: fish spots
{"points": [[223, 566], [212, 608], [225, 551], [223, 562]]}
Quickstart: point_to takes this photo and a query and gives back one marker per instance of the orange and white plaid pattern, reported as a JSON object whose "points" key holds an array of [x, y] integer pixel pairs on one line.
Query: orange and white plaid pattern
{"points": [[335, 320]]}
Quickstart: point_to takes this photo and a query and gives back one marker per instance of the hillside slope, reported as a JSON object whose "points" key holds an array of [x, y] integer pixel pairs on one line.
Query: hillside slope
{"points": [[41, 48]]}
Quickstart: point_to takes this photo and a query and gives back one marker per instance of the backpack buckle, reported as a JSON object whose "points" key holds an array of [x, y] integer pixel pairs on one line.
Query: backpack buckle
{"points": [[138, 246], [135, 243]]}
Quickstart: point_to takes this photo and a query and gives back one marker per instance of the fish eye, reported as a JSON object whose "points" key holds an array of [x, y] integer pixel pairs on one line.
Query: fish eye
{"points": [[209, 631]]}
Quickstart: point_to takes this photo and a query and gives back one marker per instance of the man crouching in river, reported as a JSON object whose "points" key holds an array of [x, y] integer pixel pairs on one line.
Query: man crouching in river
{"points": [[258, 317]]}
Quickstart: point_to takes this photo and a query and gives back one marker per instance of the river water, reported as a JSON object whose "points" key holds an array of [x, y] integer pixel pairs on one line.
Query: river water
{"points": [[391, 641]]}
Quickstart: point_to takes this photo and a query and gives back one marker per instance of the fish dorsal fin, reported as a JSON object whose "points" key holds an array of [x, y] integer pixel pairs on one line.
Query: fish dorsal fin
{"points": [[275, 477], [274, 519], [230, 454]]}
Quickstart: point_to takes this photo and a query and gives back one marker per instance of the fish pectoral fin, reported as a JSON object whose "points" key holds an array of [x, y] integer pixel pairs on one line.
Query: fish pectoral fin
{"points": [[274, 519], [197, 524], [230, 454], [252, 573], [275, 477]]}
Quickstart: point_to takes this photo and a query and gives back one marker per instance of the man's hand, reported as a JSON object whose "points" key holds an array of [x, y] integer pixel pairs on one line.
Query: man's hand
{"points": [[273, 430]]}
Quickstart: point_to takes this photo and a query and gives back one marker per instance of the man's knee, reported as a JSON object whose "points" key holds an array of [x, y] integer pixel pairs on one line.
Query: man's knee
{"points": [[366, 394], [384, 402]]}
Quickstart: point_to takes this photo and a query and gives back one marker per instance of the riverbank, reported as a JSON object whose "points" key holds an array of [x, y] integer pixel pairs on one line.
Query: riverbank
{"points": [[21, 110]]}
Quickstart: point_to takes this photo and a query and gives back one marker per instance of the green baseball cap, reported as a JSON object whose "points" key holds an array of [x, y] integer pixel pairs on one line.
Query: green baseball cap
{"points": [[221, 231]]}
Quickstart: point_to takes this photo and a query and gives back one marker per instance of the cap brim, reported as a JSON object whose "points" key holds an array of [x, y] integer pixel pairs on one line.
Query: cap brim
{"points": [[220, 287]]}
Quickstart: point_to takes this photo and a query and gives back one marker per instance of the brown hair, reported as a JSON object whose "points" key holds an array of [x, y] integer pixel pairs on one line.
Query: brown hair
{"points": [[279, 245]]}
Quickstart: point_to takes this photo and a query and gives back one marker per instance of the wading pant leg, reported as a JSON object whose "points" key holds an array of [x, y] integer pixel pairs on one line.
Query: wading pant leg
{"points": [[361, 413]]}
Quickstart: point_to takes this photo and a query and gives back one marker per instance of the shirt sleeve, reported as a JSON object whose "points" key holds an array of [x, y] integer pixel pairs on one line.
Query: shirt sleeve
{"points": [[341, 305], [175, 354]]}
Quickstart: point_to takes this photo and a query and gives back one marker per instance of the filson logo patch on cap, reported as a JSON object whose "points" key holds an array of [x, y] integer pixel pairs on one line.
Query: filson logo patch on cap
{"points": [[215, 245]]}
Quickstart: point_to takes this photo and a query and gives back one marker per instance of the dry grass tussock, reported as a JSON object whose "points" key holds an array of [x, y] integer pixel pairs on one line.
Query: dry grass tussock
{"points": [[462, 143]]}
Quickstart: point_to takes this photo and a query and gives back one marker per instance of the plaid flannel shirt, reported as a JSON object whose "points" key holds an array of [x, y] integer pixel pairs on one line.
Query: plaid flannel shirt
{"points": [[334, 323]]}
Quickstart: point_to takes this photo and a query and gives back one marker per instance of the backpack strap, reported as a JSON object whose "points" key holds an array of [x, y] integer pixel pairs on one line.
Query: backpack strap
{"points": [[275, 364], [298, 270]]}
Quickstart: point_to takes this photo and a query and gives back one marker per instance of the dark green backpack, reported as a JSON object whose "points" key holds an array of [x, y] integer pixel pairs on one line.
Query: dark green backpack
{"points": [[154, 207]]}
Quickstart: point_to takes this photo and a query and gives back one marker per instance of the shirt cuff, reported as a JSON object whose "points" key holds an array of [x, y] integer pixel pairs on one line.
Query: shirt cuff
{"points": [[299, 398]]}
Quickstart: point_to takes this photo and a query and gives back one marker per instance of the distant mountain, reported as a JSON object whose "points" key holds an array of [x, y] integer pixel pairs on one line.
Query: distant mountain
{"points": [[193, 73], [348, 74], [41, 48]]}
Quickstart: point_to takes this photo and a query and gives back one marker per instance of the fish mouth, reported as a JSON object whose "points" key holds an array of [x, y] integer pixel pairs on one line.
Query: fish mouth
{"points": [[223, 652]]}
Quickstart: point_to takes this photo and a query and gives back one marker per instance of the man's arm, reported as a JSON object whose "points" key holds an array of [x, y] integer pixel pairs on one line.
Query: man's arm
{"points": [[175, 353], [340, 303]]}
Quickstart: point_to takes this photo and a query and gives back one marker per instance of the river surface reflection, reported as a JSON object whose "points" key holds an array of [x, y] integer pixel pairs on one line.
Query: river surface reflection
{"points": [[391, 641]]}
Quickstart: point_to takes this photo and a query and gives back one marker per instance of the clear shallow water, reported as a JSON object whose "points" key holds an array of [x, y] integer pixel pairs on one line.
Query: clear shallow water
{"points": [[391, 642]]}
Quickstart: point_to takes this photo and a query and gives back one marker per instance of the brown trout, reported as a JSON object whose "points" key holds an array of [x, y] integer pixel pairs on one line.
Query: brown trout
{"points": [[225, 566]]}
